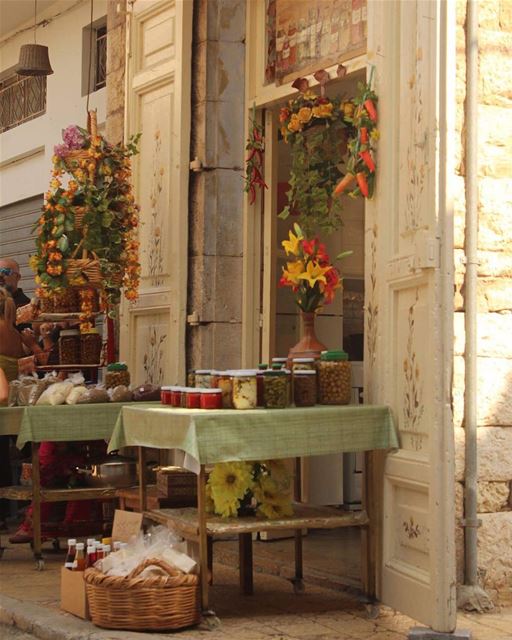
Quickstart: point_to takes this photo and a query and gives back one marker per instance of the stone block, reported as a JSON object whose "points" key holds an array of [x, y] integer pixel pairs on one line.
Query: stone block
{"points": [[215, 288], [488, 15], [493, 496], [494, 294], [216, 213], [460, 440], [495, 264], [225, 64], [494, 76], [116, 14], [215, 344], [224, 135], [494, 331], [226, 20], [115, 90], [116, 49], [506, 15], [495, 198], [459, 532], [495, 453], [424, 633], [198, 131], [495, 550], [114, 128]]}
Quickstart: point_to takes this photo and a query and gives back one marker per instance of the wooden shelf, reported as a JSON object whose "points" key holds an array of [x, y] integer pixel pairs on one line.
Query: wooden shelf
{"points": [[64, 367], [19, 492], [60, 317], [305, 516]]}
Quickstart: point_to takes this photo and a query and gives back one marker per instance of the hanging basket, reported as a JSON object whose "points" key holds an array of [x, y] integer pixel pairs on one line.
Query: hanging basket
{"points": [[155, 603], [79, 213], [73, 158], [86, 270]]}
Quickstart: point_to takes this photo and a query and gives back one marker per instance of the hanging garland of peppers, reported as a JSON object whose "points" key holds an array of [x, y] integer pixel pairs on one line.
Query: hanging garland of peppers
{"points": [[254, 162]]}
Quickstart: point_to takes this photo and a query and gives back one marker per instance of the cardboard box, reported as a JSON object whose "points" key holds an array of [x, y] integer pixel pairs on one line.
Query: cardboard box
{"points": [[73, 597]]}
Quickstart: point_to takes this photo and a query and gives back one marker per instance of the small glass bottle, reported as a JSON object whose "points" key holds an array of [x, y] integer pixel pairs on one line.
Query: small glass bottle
{"points": [[90, 559], [100, 551], [79, 561], [70, 555]]}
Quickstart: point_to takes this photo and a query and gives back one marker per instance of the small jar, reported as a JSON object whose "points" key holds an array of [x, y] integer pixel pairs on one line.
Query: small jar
{"points": [[244, 389], [117, 373], [191, 378], [260, 384], [203, 379], [166, 395], [90, 347], [69, 346], [193, 399], [276, 389], [334, 378], [225, 384], [306, 364], [304, 387], [184, 393], [176, 393], [211, 399]]}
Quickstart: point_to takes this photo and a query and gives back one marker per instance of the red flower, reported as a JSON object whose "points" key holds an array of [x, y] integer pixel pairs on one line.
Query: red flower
{"points": [[309, 246], [283, 282], [322, 255], [284, 114]]}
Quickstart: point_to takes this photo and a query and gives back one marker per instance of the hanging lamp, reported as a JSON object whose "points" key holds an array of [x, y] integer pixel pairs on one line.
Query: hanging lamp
{"points": [[34, 59]]}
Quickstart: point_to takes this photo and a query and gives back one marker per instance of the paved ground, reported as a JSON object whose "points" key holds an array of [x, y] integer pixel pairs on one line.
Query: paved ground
{"points": [[30, 601]]}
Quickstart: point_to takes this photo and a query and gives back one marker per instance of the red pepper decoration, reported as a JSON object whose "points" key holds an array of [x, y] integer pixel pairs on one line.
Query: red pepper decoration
{"points": [[343, 184], [362, 184], [366, 156], [370, 109]]}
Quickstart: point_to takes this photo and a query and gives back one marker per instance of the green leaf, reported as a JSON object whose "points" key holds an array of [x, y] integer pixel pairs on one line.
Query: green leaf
{"points": [[106, 219], [63, 243], [344, 254], [284, 213]]}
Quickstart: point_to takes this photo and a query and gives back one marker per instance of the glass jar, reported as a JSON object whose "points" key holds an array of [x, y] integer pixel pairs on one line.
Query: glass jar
{"points": [[117, 373], [90, 347], [278, 361], [166, 395], [203, 379], [69, 346], [211, 399], [191, 378], [244, 392], [193, 399], [334, 378], [184, 392], [304, 387], [225, 384], [276, 389], [176, 393], [260, 384], [305, 364]]}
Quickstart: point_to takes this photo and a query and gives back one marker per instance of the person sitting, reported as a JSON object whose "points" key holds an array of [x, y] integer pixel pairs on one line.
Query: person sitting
{"points": [[9, 278]]}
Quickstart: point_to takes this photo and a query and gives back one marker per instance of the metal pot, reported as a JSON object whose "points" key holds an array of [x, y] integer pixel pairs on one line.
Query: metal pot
{"points": [[115, 471]]}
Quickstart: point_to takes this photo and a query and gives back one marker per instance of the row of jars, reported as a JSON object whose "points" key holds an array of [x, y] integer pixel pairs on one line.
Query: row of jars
{"points": [[80, 348], [326, 381]]}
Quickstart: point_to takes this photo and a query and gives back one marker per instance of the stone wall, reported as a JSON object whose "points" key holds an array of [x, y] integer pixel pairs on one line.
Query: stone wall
{"points": [[494, 293], [116, 51], [216, 192]]}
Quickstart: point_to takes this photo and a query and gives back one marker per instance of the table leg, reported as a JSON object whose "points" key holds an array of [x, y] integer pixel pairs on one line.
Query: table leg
{"points": [[209, 542], [142, 479], [245, 559], [371, 534], [298, 580], [203, 538], [36, 506], [297, 488]]}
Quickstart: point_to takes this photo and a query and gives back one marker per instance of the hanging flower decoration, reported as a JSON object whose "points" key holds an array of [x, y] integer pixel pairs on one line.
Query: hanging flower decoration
{"points": [[333, 144], [310, 275], [254, 161], [240, 488], [90, 207]]}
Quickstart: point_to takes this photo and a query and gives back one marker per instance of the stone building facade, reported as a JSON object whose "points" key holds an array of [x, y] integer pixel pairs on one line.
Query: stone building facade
{"points": [[215, 285], [494, 289]]}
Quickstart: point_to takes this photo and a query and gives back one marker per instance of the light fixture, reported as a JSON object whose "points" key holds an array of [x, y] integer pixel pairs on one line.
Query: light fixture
{"points": [[34, 60]]}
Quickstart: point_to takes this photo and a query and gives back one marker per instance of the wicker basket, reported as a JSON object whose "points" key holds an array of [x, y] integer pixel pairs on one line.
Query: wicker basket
{"points": [[79, 213], [73, 158], [156, 603], [87, 268]]}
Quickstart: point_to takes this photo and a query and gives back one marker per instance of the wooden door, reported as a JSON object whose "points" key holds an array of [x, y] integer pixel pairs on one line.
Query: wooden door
{"points": [[409, 291], [158, 106]]}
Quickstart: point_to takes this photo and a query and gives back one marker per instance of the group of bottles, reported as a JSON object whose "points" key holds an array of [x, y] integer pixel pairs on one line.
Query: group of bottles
{"points": [[81, 556], [328, 29]]}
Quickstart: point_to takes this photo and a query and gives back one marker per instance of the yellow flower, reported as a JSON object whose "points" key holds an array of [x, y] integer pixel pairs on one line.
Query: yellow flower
{"points": [[294, 124], [314, 273], [310, 95], [375, 135], [291, 245], [274, 511], [305, 114], [229, 482], [348, 109], [323, 110], [280, 474], [266, 491], [293, 272]]}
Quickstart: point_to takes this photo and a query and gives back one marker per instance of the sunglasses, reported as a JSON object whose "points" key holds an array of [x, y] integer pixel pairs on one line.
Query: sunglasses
{"points": [[7, 271]]}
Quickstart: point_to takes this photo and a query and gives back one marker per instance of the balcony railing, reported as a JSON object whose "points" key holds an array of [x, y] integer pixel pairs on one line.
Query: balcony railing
{"points": [[21, 99]]}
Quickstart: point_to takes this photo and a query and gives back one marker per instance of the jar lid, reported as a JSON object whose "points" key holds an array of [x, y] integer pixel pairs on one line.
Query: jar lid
{"points": [[274, 372], [305, 372], [166, 388], [243, 373], [203, 372], [282, 360], [69, 332], [277, 365], [334, 355], [192, 390], [176, 388], [209, 391], [117, 366], [303, 360], [93, 331]]}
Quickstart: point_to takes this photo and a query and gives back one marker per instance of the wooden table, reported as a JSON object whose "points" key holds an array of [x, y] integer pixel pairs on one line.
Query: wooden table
{"points": [[219, 436]]}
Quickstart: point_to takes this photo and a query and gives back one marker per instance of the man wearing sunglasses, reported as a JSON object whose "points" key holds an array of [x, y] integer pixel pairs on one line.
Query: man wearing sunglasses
{"points": [[9, 278]]}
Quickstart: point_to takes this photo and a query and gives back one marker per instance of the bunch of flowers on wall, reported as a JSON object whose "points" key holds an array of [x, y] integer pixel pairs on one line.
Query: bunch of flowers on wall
{"points": [[87, 233]]}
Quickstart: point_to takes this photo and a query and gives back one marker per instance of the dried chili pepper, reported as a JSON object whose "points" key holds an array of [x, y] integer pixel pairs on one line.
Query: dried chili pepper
{"points": [[362, 184], [363, 132], [343, 184], [370, 109], [366, 157]]}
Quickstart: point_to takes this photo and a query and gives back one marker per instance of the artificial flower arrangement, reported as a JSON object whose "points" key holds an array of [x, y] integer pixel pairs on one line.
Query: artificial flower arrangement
{"points": [[310, 275], [89, 207], [332, 152], [244, 488]]}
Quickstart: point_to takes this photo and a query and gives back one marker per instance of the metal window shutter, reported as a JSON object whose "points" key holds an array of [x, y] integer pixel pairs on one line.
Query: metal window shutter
{"points": [[16, 237]]}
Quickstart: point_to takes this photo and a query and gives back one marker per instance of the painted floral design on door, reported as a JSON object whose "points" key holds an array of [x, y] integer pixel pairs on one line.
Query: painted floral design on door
{"points": [[413, 392], [154, 356], [155, 248]]}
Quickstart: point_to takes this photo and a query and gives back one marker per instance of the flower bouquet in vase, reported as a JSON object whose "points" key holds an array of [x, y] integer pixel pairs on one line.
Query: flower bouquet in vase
{"points": [[313, 281]]}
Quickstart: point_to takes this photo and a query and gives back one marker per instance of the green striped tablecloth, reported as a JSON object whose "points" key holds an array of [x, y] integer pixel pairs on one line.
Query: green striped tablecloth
{"points": [[62, 423], [228, 435]]}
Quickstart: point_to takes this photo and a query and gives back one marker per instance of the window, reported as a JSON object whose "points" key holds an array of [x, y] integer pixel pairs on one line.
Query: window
{"points": [[94, 56], [22, 98]]}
